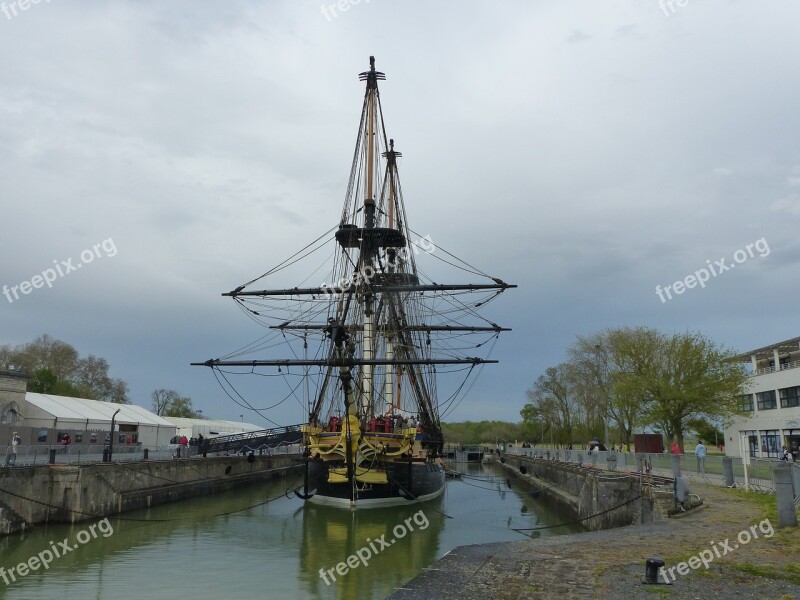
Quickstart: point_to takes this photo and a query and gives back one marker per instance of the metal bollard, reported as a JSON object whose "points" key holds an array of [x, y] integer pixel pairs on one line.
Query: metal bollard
{"points": [[53, 456], [651, 567], [612, 462], [727, 471], [146, 453], [676, 465], [784, 494]]}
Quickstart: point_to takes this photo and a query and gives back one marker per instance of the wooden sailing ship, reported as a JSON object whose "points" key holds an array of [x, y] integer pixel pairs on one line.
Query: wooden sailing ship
{"points": [[373, 339]]}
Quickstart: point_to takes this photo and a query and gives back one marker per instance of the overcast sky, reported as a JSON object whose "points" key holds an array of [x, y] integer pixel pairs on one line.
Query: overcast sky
{"points": [[586, 151]]}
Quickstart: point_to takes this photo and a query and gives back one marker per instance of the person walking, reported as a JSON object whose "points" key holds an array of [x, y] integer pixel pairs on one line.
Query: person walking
{"points": [[700, 453], [11, 456]]}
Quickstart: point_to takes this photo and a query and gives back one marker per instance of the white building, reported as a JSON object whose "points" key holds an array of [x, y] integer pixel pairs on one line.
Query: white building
{"points": [[87, 417], [46, 418], [773, 402], [192, 428]]}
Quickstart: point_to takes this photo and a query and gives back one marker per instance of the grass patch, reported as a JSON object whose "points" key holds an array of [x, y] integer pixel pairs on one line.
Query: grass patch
{"points": [[661, 590], [788, 572]]}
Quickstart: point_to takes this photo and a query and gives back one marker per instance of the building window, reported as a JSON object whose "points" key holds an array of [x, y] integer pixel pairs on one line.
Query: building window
{"points": [[766, 400], [746, 402], [770, 443], [790, 397], [752, 442], [42, 437]]}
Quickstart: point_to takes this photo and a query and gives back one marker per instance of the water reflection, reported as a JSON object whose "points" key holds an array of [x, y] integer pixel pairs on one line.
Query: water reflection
{"points": [[258, 541], [332, 535]]}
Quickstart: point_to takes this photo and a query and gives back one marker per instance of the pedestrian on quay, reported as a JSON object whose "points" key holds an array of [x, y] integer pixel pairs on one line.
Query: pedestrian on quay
{"points": [[11, 455], [184, 453], [700, 453]]}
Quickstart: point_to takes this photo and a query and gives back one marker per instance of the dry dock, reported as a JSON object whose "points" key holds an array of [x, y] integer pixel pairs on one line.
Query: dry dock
{"points": [[70, 493]]}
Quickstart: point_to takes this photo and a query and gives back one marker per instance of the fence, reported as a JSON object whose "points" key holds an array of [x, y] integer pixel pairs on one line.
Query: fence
{"points": [[39, 454], [709, 470]]}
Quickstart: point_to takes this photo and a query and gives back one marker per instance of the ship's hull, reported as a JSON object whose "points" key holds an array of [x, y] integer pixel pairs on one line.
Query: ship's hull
{"points": [[407, 482]]}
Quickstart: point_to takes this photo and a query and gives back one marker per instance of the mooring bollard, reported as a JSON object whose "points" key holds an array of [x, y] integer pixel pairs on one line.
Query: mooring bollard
{"points": [[784, 494], [727, 471], [612, 462], [651, 567]]}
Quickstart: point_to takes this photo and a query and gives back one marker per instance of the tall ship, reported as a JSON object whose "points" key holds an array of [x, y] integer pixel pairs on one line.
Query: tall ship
{"points": [[366, 352]]}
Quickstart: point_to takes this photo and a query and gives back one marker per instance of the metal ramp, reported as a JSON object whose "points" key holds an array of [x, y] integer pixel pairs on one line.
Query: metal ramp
{"points": [[264, 439]]}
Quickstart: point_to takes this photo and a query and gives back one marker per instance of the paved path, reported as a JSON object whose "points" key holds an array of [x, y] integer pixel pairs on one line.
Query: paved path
{"points": [[610, 564]]}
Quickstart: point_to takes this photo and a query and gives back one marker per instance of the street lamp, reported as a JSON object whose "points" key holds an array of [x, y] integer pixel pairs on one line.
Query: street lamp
{"points": [[599, 348], [111, 445], [242, 418]]}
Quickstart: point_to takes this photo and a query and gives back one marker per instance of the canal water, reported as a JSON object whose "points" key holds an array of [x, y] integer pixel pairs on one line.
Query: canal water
{"points": [[262, 542]]}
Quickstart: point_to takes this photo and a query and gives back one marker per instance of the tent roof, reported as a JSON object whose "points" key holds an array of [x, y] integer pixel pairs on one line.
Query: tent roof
{"points": [[213, 424], [82, 409]]}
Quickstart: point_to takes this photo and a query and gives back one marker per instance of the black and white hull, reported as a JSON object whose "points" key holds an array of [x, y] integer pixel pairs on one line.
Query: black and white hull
{"points": [[407, 482]]}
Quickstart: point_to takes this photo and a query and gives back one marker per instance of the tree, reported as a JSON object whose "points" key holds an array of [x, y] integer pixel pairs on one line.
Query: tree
{"points": [[706, 431], [681, 378], [601, 360], [44, 381], [46, 353], [553, 400], [170, 403], [56, 368], [162, 400]]}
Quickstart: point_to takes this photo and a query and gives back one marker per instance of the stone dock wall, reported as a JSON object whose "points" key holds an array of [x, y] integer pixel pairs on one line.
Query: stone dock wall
{"points": [[600, 499], [71, 493]]}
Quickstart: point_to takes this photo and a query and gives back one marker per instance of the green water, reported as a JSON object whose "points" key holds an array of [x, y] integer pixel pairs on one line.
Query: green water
{"points": [[256, 542]]}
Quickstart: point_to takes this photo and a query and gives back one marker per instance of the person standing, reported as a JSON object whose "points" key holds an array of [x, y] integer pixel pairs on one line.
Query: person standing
{"points": [[700, 453], [184, 451], [11, 457], [675, 449]]}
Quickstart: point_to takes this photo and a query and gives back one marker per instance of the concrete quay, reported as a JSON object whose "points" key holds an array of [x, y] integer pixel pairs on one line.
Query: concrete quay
{"points": [[610, 564], [70, 493]]}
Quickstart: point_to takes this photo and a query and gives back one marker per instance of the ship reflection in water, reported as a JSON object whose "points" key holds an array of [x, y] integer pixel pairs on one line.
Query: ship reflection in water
{"points": [[234, 545], [379, 549]]}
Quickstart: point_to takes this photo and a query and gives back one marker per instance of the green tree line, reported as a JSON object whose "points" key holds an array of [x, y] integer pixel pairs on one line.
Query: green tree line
{"points": [[55, 367], [628, 378]]}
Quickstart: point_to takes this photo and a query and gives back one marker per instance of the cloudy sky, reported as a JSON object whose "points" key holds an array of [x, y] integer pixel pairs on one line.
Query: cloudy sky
{"points": [[587, 151]]}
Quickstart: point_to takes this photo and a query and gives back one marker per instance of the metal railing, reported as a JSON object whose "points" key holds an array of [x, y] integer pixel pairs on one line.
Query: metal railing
{"points": [[766, 370], [39, 454], [709, 470], [252, 441]]}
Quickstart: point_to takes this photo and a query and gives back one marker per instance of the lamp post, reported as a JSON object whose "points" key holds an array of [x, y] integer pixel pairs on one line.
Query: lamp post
{"points": [[599, 349], [111, 445], [242, 418]]}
